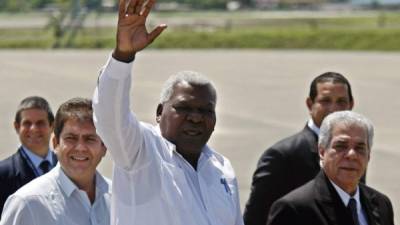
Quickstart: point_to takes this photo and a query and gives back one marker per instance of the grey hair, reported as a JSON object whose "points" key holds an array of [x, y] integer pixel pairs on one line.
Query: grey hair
{"points": [[344, 117], [190, 77]]}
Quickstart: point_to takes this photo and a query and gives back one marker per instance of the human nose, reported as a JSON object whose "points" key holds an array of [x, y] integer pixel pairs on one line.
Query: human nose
{"points": [[351, 153], [80, 145], [34, 127], [332, 107], [195, 116], [338, 106]]}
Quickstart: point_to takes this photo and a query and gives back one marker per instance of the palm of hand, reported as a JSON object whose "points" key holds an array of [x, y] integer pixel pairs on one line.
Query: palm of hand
{"points": [[132, 34]]}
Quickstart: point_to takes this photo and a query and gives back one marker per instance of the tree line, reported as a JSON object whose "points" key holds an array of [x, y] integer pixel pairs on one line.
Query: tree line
{"points": [[31, 5]]}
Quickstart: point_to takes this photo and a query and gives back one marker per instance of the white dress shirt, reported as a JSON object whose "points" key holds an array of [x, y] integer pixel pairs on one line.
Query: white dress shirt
{"points": [[53, 199], [312, 126], [152, 183], [346, 198]]}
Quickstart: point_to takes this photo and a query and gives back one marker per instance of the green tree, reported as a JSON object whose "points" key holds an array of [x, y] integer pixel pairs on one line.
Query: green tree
{"points": [[37, 4]]}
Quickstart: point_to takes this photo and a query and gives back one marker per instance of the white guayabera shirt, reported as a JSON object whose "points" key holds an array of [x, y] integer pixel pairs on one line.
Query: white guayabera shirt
{"points": [[152, 183], [53, 199]]}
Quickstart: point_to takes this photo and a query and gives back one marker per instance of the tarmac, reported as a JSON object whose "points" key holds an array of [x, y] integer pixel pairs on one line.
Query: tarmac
{"points": [[261, 97]]}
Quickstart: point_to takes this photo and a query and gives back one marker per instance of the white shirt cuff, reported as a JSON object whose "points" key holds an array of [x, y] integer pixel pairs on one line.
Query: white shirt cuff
{"points": [[117, 69]]}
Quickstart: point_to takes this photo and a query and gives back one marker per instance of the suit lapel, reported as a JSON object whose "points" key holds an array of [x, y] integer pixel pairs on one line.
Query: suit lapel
{"points": [[329, 202], [312, 138], [312, 151], [23, 170], [370, 206]]}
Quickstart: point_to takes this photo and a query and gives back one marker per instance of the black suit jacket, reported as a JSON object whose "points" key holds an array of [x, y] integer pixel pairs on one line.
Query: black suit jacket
{"points": [[14, 173], [318, 203], [283, 167]]}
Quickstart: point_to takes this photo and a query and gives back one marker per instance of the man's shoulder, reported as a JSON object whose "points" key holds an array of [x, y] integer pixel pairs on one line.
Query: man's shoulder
{"points": [[298, 141], [151, 131], [373, 193], [7, 166], [301, 195], [38, 195], [221, 162], [378, 203], [40, 186], [105, 183]]}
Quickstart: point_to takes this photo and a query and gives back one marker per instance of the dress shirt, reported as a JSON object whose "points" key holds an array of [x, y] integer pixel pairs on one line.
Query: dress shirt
{"points": [[152, 183], [313, 127], [346, 198], [53, 199], [36, 160]]}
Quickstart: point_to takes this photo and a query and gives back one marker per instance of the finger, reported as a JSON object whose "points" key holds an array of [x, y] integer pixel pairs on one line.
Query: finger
{"points": [[121, 8], [156, 32], [139, 7], [131, 7], [147, 8]]}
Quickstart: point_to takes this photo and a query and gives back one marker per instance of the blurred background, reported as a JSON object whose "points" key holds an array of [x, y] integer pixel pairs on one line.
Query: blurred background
{"points": [[288, 24]]}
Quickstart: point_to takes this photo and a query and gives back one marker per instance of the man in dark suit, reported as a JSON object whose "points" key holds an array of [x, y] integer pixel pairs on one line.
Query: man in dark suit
{"points": [[34, 125], [336, 196], [294, 161]]}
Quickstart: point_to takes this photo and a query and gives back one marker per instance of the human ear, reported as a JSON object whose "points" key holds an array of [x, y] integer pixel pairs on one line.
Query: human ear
{"points": [[16, 127], [321, 152], [103, 149], [309, 103], [351, 105], [159, 112], [55, 143]]}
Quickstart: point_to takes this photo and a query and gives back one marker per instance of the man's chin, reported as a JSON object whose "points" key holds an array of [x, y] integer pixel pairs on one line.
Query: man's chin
{"points": [[35, 146], [191, 146]]}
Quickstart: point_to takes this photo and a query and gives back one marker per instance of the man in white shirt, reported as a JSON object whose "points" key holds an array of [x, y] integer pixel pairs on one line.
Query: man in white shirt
{"points": [[164, 174], [335, 195], [73, 192]]}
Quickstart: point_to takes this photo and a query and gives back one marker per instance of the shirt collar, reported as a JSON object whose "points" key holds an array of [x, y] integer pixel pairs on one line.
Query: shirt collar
{"points": [[65, 183], [69, 187], [345, 197], [204, 155], [102, 185], [312, 126], [35, 159]]}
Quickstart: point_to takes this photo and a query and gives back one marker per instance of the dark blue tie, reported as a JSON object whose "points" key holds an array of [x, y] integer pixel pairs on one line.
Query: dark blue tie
{"points": [[352, 207], [45, 166]]}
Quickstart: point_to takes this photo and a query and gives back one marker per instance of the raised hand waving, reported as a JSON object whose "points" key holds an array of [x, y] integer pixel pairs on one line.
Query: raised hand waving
{"points": [[132, 34]]}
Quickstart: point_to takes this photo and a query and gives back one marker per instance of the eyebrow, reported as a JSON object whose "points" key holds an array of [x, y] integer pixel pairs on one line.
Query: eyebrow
{"points": [[340, 143], [347, 141], [84, 135], [361, 144]]}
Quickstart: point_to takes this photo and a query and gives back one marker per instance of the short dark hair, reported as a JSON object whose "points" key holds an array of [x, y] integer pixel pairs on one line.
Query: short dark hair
{"points": [[75, 108], [329, 77], [34, 102]]}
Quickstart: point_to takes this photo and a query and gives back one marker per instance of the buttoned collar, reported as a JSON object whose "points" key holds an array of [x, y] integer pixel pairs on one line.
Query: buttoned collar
{"points": [[35, 159], [345, 197], [205, 154], [68, 187]]}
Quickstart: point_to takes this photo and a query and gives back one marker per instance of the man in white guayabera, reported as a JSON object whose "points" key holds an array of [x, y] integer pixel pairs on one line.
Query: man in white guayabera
{"points": [[164, 174]]}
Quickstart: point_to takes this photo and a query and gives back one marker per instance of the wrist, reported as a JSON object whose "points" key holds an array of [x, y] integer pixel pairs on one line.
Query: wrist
{"points": [[126, 57]]}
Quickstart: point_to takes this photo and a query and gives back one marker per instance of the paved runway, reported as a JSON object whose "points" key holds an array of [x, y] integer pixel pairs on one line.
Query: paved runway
{"points": [[261, 97]]}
